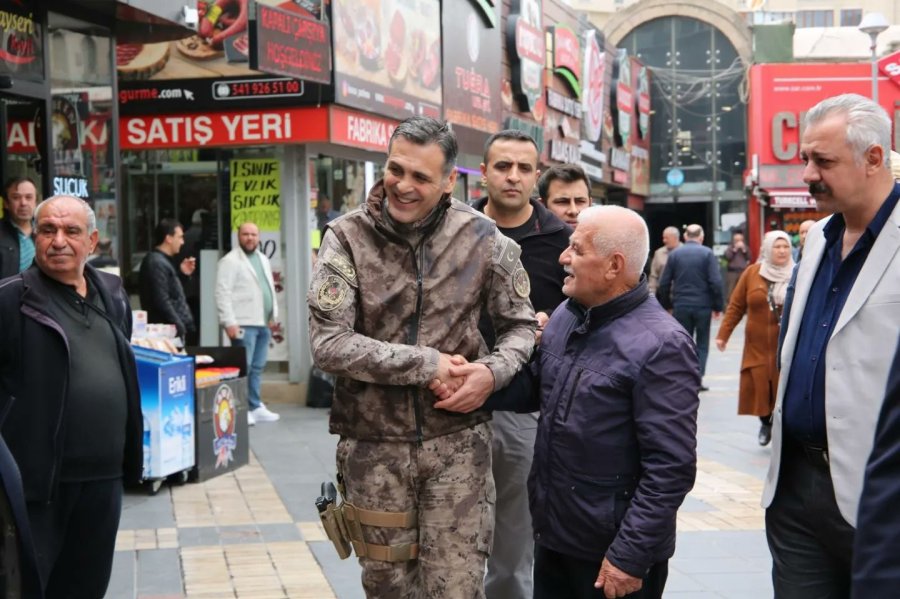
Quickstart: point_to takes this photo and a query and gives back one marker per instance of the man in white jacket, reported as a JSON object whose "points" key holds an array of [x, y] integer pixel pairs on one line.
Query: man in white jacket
{"points": [[245, 297]]}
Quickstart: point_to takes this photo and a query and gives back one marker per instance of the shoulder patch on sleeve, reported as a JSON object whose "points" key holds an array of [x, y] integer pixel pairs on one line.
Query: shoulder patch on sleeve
{"points": [[340, 263], [522, 283], [332, 293], [506, 254]]}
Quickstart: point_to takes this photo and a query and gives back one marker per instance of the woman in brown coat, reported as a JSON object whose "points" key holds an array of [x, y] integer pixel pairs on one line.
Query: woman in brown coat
{"points": [[759, 294]]}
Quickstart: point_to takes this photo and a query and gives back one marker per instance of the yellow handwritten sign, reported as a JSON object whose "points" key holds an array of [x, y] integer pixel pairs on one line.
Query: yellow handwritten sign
{"points": [[256, 193]]}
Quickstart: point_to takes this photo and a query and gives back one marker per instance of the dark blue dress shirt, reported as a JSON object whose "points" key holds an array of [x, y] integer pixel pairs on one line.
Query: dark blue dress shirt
{"points": [[804, 398]]}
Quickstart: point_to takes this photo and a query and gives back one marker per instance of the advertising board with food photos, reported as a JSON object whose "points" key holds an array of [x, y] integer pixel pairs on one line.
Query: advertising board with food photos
{"points": [[473, 68], [387, 56], [210, 69]]}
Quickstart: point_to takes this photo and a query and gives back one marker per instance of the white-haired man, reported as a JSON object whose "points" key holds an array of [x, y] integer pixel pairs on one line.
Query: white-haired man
{"points": [[614, 376], [844, 299]]}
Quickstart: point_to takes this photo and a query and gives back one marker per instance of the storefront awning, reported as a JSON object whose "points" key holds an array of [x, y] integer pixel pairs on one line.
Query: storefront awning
{"points": [[790, 198]]}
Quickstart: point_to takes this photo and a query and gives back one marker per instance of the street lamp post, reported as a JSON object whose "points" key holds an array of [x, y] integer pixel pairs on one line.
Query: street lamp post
{"points": [[872, 25]]}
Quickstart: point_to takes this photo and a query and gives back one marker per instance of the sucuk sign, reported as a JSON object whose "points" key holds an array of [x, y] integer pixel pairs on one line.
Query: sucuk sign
{"points": [[286, 43]]}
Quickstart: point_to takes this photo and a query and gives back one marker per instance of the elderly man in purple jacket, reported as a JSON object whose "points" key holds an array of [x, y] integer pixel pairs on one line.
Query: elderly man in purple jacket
{"points": [[616, 380]]}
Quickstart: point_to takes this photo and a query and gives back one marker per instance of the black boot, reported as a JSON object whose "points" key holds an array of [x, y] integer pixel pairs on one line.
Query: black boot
{"points": [[765, 434]]}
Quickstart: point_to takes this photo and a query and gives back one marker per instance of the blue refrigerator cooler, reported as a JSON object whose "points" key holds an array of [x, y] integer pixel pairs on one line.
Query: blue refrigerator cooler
{"points": [[167, 401]]}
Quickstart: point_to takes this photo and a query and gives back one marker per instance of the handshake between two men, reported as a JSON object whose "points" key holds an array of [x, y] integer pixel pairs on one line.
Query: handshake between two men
{"points": [[463, 386]]}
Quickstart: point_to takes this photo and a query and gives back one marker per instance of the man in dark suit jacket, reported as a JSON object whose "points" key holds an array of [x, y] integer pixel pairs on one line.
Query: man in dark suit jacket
{"points": [[691, 284], [876, 561]]}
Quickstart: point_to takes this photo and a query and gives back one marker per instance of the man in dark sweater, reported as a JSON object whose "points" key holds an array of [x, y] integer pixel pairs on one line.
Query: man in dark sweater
{"points": [[509, 172], [691, 284], [68, 384], [161, 291]]}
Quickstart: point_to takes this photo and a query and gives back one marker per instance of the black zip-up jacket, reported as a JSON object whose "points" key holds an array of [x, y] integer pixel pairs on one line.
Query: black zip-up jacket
{"points": [[34, 362], [541, 248], [162, 294], [9, 249]]}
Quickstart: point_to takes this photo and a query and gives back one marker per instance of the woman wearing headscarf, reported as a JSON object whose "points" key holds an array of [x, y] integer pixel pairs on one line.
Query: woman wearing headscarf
{"points": [[759, 294]]}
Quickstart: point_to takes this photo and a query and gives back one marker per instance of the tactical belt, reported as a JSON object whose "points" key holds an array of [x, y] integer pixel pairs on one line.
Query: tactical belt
{"points": [[354, 518]]}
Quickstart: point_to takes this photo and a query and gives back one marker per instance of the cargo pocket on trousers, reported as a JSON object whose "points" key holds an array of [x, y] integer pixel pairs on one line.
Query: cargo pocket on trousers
{"points": [[485, 535]]}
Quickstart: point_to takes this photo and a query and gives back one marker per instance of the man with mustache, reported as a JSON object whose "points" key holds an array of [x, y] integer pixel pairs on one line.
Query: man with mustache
{"points": [[844, 298], [398, 289], [509, 172], [69, 391]]}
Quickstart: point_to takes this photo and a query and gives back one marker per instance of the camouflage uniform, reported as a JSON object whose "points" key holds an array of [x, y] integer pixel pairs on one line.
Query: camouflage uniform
{"points": [[385, 300]]}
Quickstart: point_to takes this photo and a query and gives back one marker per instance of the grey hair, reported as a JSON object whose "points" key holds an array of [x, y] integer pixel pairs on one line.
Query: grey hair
{"points": [[635, 248], [867, 123], [88, 211], [672, 231], [693, 232], [423, 130]]}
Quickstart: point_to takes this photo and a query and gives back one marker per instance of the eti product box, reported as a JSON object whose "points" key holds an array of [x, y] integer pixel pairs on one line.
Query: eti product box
{"points": [[167, 401], [223, 443]]}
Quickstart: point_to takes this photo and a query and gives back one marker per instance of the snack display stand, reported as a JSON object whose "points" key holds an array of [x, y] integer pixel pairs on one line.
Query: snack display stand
{"points": [[167, 402], [222, 441]]}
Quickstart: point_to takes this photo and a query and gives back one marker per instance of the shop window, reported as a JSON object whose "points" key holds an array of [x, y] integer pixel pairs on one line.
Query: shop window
{"points": [[337, 186], [81, 119]]}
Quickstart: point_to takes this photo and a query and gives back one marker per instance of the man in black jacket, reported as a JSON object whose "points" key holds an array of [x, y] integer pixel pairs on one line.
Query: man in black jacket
{"points": [[16, 233], [509, 172], [162, 295], [68, 386]]}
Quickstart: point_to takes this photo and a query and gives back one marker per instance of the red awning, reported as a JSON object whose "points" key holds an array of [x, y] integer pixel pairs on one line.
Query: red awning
{"points": [[790, 198]]}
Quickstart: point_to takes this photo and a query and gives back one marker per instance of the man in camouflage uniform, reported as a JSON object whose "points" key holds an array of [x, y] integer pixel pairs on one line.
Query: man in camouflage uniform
{"points": [[397, 290]]}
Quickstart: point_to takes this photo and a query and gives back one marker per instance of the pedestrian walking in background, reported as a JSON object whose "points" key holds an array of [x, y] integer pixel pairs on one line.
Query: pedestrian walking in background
{"points": [[759, 294], [398, 289], [245, 298], [691, 284], [671, 240], [802, 231], [737, 258], [839, 311], [509, 172]]}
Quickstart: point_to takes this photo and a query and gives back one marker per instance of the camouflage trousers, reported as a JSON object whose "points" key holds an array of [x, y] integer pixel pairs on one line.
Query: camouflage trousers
{"points": [[448, 481]]}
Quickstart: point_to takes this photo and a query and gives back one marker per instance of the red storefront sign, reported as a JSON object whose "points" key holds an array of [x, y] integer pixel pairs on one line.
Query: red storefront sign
{"points": [[780, 94], [265, 126], [890, 66], [360, 130]]}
